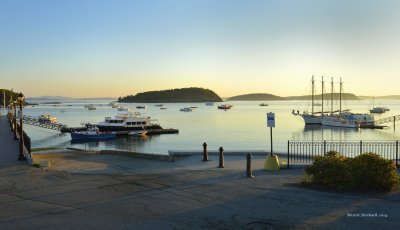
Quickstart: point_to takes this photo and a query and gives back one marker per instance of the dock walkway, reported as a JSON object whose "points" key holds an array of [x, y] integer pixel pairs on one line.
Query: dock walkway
{"points": [[9, 149]]}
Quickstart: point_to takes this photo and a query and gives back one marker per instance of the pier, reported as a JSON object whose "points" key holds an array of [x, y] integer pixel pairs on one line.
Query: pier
{"points": [[29, 120], [8, 146]]}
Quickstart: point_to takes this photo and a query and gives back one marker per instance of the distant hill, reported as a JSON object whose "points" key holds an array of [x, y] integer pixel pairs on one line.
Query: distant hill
{"points": [[380, 97], [271, 97], [174, 95], [256, 97], [327, 96]]}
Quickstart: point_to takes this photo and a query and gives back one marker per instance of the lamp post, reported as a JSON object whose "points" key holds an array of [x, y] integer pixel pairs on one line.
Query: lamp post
{"points": [[14, 103], [21, 156]]}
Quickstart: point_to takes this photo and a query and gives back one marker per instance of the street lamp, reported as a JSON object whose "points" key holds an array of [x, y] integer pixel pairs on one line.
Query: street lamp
{"points": [[14, 104], [21, 156]]}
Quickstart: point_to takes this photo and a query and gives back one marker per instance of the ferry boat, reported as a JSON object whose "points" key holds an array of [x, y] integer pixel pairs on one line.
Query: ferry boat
{"points": [[46, 118], [126, 123], [92, 133]]}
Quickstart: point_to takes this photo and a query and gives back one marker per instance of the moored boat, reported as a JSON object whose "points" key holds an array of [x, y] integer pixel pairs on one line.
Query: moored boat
{"points": [[91, 107], [92, 133], [46, 118], [225, 106], [138, 133], [186, 109], [263, 104], [125, 123], [140, 107]]}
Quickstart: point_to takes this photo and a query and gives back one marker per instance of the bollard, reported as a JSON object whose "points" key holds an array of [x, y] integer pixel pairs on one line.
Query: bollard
{"points": [[205, 153], [249, 173], [221, 158]]}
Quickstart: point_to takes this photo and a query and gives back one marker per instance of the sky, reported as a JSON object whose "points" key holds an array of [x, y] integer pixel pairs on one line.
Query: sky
{"points": [[99, 48]]}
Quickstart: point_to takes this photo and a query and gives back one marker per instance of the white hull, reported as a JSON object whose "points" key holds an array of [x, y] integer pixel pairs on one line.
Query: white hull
{"points": [[339, 122], [311, 119]]}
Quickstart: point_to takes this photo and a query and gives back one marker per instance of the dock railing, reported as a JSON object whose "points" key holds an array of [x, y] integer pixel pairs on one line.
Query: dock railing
{"points": [[300, 152]]}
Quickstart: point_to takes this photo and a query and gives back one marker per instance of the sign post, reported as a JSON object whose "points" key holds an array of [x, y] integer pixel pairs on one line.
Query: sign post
{"points": [[271, 162], [271, 124]]}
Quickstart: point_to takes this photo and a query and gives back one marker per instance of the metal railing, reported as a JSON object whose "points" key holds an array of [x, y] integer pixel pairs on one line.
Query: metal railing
{"points": [[306, 151]]}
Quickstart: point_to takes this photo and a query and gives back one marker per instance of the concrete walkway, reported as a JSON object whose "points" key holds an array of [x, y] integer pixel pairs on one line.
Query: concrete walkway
{"points": [[9, 148], [96, 191]]}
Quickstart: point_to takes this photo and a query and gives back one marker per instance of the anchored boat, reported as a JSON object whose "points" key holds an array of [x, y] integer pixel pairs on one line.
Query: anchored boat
{"points": [[92, 133]]}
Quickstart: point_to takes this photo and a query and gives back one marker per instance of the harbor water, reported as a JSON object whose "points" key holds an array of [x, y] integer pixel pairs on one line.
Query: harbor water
{"points": [[244, 127]]}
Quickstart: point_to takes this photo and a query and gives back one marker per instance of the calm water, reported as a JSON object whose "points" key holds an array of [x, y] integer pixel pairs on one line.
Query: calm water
{"points": [[241, 128]]}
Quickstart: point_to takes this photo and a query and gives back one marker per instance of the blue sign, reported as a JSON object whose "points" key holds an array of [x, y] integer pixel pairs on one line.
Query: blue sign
{"points": [[270, 119]]}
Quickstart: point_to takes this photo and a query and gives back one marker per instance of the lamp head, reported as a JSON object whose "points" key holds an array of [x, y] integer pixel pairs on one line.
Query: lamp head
{"points": [[21, 97]]}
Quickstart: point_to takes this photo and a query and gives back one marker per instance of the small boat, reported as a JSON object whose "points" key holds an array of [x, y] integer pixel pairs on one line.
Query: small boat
{"points": [[225, 107], [186, 109], [91, 107], [124, 109], [46, 118], [140, 107], [163, 108], [193, 107], [113, 104], [138, 133], [263, 104], [92, 133], [159, 105], [379, 110], [210, 103]]}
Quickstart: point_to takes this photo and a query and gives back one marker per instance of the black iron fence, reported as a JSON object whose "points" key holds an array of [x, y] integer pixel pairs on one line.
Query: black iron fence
{"points": [[306, 151], [15, 127]]}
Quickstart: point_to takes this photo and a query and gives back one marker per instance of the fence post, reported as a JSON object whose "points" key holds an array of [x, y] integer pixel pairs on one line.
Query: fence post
{"points": [[360, 147], [324, 147], [288, 151]]}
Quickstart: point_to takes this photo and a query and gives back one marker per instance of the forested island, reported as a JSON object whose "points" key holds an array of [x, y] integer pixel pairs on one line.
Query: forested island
{"points": [[271, 97], [192, 94]]}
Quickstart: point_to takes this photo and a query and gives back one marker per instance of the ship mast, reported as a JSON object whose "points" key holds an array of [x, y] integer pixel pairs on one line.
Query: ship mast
{"points": [[331, 96], [340, 97], [322, 97], [312, 95]]}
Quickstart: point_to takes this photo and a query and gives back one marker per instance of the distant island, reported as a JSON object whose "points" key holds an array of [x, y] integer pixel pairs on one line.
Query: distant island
{"points": [[192, 94], [256, 97], [380, 97], [271, 97]]}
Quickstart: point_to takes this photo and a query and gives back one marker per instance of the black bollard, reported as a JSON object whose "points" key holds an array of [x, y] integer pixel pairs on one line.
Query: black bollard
{"points": [[249, 173], [221, 158], [205, 153]]}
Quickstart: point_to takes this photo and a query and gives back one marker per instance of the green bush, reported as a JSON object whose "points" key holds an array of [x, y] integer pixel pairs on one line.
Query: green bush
{"points": [[366, 171]]}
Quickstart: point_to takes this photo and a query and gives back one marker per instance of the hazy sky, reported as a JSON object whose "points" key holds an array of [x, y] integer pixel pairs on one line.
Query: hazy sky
{"points": [[90, 48]]}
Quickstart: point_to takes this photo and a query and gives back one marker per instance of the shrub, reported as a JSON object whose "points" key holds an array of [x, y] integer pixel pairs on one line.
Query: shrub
{"points": [[366, 171], [370, 171]]}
